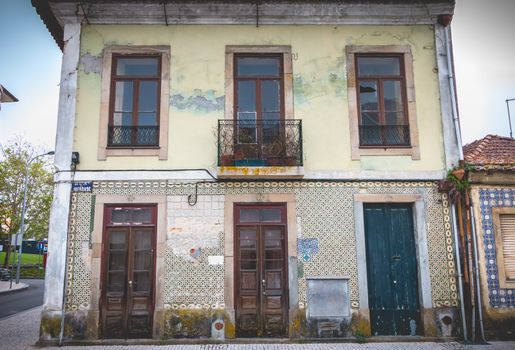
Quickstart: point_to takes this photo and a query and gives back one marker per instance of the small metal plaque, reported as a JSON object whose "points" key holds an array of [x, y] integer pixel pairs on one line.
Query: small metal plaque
{"points": [[82, 186], [328, 297]]}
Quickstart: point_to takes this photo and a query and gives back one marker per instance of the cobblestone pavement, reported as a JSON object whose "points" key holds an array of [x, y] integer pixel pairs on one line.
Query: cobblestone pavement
{"points": [[20, 332]]}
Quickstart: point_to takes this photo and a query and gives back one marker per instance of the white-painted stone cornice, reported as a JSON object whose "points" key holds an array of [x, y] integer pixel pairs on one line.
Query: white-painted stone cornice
{"points": [[245, 12]]}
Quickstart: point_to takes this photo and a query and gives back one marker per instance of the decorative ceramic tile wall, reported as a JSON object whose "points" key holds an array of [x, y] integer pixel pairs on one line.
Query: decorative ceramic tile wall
{"points": [[490, 198], [325, 216]]}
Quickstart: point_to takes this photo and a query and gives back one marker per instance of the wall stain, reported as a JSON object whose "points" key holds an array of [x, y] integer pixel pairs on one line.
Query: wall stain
{"points": [[201, 101], [90, 63], [324, 76]]}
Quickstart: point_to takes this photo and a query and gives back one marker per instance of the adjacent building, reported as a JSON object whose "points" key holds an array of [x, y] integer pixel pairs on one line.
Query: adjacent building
{"points": [[252, 169], [492, 164]]}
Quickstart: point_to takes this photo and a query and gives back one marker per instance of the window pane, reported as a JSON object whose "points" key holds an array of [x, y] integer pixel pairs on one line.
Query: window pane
{"points": [[395, 118], [247, 234], [141, 282], [249, 215], [142, 260], [142, 215], [271, 99], [392, 95], [116, 282], [122, 119], [123, 96], [254, 66], [368, 96], [143, 239], [119, 215], [271, 215], [137, 66], [117, 260], [147, 101], [117, 240], [246, 99], [378, 66], [147, 119]]}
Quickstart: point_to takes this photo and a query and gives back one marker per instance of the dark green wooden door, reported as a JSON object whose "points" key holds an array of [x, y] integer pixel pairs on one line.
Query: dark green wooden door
{"points": [[392, 269]]}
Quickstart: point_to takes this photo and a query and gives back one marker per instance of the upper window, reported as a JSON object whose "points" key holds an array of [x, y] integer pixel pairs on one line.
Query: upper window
{"points": [[135, 86], [382, 101], [135, 97], [381, 94]]}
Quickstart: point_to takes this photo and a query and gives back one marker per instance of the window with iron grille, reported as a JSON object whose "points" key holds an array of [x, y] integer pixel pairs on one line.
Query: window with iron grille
{"points": [[382, 107], [134, 101]]}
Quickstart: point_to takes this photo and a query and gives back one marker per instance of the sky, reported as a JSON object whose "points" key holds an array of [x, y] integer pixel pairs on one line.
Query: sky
{"points": [[484, 57]]}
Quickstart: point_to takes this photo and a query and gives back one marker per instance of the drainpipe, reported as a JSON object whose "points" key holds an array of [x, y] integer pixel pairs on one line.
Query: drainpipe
{"points": [[476, 270], [458, 270], [445, 21]]}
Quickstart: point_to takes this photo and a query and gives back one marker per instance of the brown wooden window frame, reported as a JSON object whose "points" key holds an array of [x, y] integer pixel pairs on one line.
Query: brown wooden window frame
{"points": [[504, 281], [353, 115], [135, 79], [379, 80]]}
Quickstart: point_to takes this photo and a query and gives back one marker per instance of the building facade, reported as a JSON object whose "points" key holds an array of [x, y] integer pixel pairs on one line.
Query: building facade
{"points": [[246, 169], [492, 161]]}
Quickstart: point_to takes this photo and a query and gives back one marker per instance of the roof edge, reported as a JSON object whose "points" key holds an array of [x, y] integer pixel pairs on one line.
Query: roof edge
{"points": [[47, 16]]}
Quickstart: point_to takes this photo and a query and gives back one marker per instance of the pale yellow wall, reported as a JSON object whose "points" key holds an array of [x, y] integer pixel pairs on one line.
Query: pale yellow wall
{"points": [[320, 96]]}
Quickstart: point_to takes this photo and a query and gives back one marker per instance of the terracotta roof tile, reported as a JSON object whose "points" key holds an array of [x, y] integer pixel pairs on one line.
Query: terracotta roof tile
{"points": [[491, 152]]}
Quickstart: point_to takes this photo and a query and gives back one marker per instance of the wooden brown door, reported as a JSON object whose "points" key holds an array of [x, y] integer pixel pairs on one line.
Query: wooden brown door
{"points": [[261, 288], [127, 295]]}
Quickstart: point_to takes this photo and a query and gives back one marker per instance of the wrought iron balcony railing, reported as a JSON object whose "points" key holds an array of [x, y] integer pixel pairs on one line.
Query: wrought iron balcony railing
{"points": [[384, 135], [262, 143], [133, 136]]}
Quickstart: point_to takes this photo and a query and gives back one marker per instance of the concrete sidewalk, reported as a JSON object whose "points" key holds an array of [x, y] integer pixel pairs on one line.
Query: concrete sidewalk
{"points": [[20, 331], [4, 287]]}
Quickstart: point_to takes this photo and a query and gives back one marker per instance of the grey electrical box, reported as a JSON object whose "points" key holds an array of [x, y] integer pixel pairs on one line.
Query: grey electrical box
{"points": [[328, 297]]}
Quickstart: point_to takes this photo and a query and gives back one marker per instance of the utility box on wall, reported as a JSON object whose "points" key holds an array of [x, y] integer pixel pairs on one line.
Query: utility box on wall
{"points": [[328, 305]]}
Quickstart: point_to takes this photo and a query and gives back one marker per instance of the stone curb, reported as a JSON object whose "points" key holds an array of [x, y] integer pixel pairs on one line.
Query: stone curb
{"points": [[23, 286]]}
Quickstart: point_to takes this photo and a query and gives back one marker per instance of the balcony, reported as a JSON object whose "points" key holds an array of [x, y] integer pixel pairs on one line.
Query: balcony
{"points": [[247, 143], [133, 136], [384, 136]]}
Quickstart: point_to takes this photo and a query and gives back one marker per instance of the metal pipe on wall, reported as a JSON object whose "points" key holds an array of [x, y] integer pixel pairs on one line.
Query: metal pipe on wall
{"points": [[458, 271], [476, 268]]}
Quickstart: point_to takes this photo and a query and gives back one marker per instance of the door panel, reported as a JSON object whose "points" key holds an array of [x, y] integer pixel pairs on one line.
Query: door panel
{"points": [[261, 291], [127, 305], [391, 269]]}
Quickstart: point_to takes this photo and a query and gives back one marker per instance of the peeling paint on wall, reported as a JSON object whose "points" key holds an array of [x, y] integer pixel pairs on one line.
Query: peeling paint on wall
{"points": [[203, 101], [327, 77], [90, 63]]}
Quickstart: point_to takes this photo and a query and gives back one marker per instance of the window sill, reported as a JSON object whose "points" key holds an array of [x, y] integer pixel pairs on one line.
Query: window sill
{"points": [[260, 172], [133, 147], [359, 151], [132, 151]]}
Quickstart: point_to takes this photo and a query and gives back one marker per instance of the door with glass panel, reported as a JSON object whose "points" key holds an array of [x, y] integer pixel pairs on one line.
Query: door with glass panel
{"points": [[261, 271], [259, 107], [128, 264]]}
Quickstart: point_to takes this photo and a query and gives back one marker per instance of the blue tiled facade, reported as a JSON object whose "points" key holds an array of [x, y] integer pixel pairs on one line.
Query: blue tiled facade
{"points": [[488, 199]]}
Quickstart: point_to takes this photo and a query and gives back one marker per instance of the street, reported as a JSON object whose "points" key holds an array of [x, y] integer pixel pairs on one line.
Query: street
{"points": [[29, 298]]}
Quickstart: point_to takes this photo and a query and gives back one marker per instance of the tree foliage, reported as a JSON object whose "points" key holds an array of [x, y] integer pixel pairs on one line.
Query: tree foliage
{"points": [[14, 157]]}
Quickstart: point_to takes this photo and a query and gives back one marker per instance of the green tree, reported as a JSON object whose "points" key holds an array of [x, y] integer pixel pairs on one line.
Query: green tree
{"points": [[14, 157]]}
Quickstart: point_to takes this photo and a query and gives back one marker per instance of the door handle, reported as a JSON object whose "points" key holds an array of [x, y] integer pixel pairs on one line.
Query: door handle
{"points": [[263, 284], [130, 284]]}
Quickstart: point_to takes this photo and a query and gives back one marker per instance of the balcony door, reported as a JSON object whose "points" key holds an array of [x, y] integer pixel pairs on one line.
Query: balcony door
{"points": [[259, 104], [127, 304]]}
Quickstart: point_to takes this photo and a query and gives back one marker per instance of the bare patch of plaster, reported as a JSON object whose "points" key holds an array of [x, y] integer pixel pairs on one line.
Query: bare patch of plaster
{"points": [[90, 63], [203, 101], [193, 233]]}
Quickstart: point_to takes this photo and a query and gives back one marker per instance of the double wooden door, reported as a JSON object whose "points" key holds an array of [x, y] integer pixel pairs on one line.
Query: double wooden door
{"points": [[392, 269], [127, 302], [261, 274]]}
